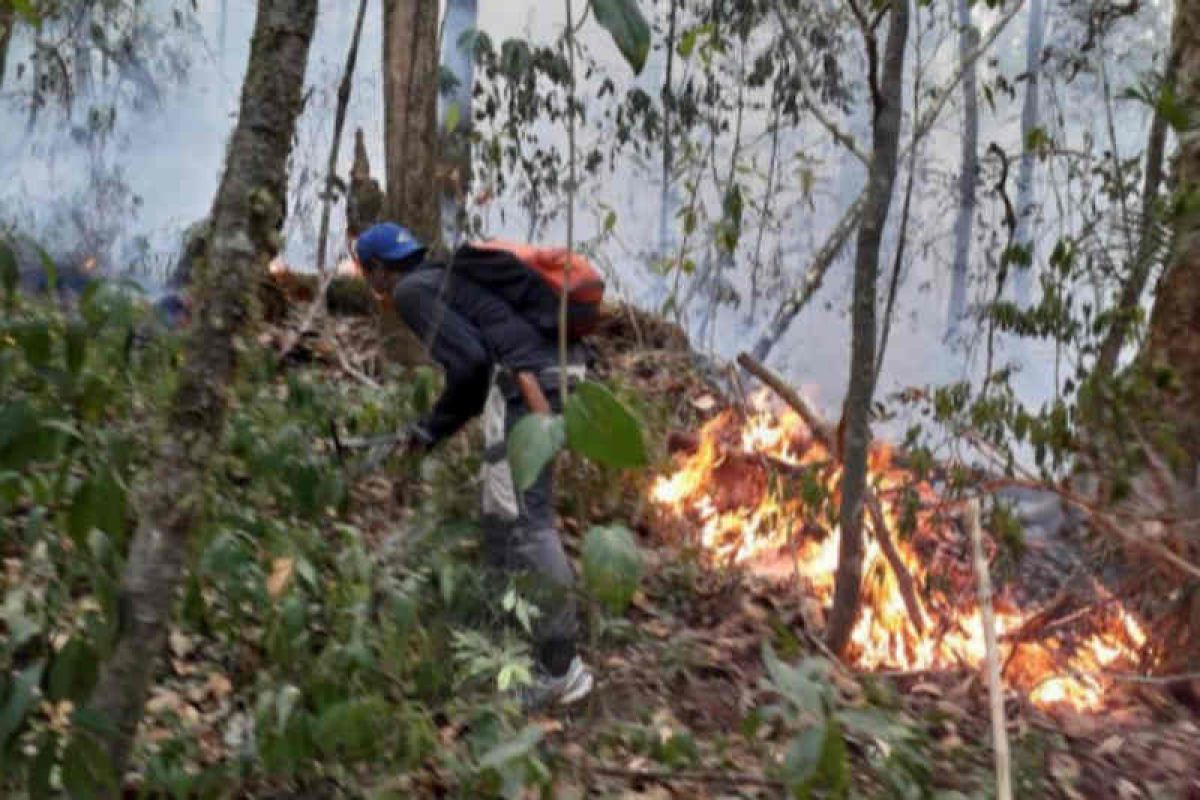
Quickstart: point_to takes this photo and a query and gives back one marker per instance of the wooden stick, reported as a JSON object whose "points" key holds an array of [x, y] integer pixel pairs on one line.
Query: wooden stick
{"points": [[995, 690], [824, 432], [694, 776], [339, 121]]}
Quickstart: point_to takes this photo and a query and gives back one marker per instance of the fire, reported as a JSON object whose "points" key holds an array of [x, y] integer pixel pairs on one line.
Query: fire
{"points": [[739, 516]]}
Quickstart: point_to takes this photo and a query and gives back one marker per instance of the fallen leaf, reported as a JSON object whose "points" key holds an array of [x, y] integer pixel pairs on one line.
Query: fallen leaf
{"points": [[928, 689], [219, 686], [180, 645], [1127, 791], [281, 576], [1110, 746]]}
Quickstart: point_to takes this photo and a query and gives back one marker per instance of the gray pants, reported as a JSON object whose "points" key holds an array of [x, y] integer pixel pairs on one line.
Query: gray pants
{"points": [[520, 531]]}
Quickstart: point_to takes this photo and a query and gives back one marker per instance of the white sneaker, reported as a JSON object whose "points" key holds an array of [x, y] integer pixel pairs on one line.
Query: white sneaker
{"points": [[570, 687]]}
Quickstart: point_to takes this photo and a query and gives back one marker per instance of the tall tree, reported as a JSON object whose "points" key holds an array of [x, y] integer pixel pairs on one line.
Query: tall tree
{"points": [[247, 214], [410, 92], [886, 83], [1030, 119], [968, 40], [1175, 319]]}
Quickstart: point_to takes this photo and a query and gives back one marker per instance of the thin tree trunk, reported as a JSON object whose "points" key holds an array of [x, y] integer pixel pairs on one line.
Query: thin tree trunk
{"points": [[964, 225], [1149, 243], [1030, 119], [339, 122], [246, 217], [914, 152], [668, 154], [7, 23], [882, 176], [1175, 319], [410, 81]]}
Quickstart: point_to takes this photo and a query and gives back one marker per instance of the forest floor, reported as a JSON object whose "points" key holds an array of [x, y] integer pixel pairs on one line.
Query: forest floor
{"points": [[693, 698], [679, 706]]}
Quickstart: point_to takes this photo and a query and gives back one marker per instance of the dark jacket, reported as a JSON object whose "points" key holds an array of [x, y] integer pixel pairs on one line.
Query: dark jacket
{"points": [[469, 330]]}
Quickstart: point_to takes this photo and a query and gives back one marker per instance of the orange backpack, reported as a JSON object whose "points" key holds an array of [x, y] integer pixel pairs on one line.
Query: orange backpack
{"points": [[491, 263]]}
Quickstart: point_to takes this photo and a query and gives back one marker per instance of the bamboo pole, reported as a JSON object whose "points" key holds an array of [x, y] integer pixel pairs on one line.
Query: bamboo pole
{"points": [[992, 663]]}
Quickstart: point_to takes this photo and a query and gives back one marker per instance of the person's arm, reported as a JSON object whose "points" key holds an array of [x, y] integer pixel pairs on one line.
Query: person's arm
{"points": [[456, 345]]}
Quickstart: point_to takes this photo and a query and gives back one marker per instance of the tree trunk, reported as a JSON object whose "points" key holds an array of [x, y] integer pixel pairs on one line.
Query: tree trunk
{"points": [[1149, 241], [1175, 320], [881, 178], [7, 23], [456, 115], [410, 84], [246, 218], [968, 40], [1030, 119]]}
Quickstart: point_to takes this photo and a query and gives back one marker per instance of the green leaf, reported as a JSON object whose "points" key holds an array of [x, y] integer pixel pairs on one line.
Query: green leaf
{"points": [[804, 756], [600, 427], [20, 698], [99, 502], [624, 20], [453, 115], [77, 340], [50, 269], [39, 770], [73, 672], [87, 773], [9, 274], [510, 750], [354, 729], [612, 566], [532, 444], [34, 338], [803, 685]]}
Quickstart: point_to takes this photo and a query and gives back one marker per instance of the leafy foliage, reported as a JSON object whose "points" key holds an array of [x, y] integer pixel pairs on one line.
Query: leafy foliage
{"points": [[612, 566]]}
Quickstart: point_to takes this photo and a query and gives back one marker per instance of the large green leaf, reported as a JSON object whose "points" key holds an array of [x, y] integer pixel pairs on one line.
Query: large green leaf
{"points": [[73, 672], [511, 749], [817, 759], [629, 29], [612, 566], [600, 427], [533, 442], [87, 772], [99, 502], [20, 698]]}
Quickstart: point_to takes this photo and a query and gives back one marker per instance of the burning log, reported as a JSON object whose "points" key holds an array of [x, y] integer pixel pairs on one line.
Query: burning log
{"points": [[826, 434]]}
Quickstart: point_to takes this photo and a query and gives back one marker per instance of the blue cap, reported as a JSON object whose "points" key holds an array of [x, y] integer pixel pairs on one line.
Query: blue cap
{"points": [[386, 242]]}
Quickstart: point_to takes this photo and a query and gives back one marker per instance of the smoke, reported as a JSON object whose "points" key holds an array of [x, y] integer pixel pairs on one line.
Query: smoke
{"points": [[137, 158]]}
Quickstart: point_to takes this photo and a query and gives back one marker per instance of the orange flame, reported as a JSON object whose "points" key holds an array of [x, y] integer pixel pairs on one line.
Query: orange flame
{"points": [[742, 523]]}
